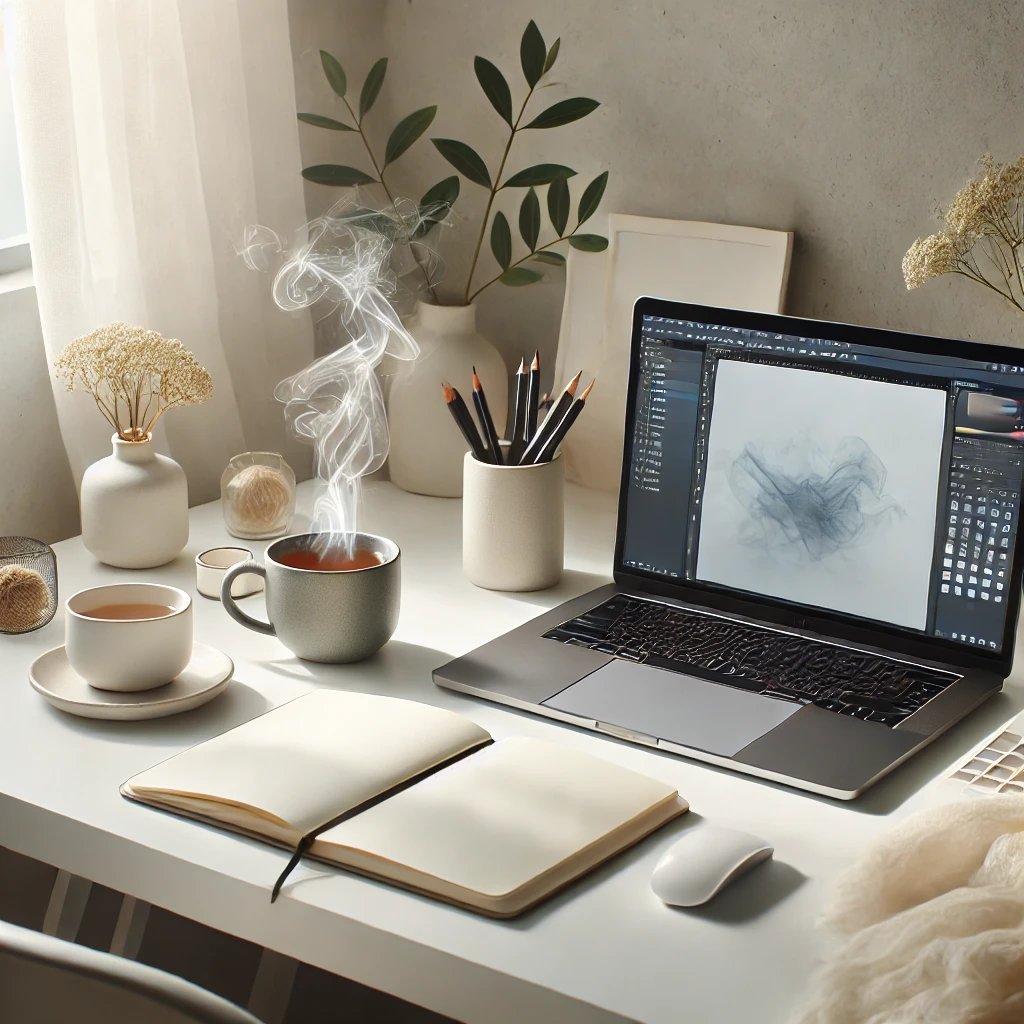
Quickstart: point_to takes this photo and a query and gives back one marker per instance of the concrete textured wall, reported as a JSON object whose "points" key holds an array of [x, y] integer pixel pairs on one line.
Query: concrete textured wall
{"points": [[849, 124]]}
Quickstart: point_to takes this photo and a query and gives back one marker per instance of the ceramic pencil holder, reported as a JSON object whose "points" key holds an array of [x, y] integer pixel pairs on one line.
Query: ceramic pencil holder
{"points": [[513, 524]]}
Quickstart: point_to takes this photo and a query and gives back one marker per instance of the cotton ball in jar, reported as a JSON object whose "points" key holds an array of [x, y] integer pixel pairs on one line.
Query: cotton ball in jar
{"points": [[260, 499], [24, 599]]}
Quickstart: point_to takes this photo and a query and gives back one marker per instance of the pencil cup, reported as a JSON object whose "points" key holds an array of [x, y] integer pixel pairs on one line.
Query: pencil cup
{"points": [[513, 524]]}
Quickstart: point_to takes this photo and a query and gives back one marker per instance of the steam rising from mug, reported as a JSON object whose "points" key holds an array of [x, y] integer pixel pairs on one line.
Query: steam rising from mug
{"points": [[354, 259]]}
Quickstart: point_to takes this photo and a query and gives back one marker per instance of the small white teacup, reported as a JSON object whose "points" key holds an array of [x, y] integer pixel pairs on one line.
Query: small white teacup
{"points": [[129, 636]]}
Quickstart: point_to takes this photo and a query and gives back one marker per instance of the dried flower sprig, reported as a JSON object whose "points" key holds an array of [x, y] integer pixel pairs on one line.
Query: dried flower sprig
{"points": [[134, 376], [982, 238]]}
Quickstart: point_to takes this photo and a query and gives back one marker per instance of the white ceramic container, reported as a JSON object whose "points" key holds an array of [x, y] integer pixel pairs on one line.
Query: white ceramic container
{"points": [[128, 654], [214, 562], [513, 524], [426, 445], [134, 507]]}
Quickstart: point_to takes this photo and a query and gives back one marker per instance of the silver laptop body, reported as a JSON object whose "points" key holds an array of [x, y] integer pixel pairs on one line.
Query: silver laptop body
{"points": [[815, 569]]}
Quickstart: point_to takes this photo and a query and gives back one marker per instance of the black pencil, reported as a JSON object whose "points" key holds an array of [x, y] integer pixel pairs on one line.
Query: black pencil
{"points": [[486, 422], [551, 421], [457, 407], [547, 453], [532, 398], [518, 438]]}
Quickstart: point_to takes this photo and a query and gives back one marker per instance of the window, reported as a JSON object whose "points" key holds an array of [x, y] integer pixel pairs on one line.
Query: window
{"points": [[14, 252]]}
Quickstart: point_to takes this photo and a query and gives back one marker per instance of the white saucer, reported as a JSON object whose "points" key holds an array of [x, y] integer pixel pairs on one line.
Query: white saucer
{"points": [[205, 676]]}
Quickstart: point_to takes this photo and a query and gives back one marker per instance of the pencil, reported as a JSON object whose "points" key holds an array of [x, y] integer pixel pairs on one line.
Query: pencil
{"points": [[532, 398], [457, 407], [519, 419], [547, 453], [486, 422], [551, 421]]}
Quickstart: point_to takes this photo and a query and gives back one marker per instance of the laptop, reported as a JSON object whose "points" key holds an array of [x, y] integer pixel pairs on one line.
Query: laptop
{"points": [[816, 570]]}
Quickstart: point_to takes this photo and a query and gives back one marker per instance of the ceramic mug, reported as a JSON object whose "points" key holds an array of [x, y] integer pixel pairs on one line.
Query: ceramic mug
{"points": [[334, 616], [128, 654], [513, 524]]}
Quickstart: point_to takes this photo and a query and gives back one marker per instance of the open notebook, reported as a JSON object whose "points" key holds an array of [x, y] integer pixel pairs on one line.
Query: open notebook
{"points": [[414, 795]]}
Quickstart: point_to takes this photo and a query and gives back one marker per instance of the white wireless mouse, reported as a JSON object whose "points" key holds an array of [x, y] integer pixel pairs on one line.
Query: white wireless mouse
{"points": [[703, 862]]}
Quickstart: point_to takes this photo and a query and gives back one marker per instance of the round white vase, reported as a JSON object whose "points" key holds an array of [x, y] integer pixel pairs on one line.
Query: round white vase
{"points": [[427, 447], [134, 507]]}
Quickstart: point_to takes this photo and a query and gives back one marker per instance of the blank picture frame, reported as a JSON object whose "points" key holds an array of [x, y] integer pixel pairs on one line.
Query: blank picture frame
{"points": [[687, 261]]}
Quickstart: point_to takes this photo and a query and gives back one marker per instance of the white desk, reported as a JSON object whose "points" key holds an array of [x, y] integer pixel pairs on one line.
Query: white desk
{"points": [[605, 949]]}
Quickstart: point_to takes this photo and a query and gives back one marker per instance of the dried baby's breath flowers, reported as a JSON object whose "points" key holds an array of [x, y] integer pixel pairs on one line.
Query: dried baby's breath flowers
{"points": [[134, 376], [983, 235]]}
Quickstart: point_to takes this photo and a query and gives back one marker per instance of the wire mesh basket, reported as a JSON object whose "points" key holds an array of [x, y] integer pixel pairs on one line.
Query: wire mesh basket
{"points": [[28, 584]]}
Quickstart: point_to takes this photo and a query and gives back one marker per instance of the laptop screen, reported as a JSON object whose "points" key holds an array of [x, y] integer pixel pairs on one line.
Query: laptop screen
{"points": [[873, 483]]}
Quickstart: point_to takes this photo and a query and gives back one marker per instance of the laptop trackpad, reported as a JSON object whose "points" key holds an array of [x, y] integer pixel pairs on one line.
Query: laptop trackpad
{"points": [[682, 709]]}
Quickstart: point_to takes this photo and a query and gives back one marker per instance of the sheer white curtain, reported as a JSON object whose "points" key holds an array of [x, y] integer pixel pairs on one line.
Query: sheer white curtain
{"points": [[151, 132]]}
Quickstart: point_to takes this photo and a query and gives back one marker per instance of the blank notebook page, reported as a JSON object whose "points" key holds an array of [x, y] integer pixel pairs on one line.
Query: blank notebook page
{"points": [[494, 821], [316, 757]]}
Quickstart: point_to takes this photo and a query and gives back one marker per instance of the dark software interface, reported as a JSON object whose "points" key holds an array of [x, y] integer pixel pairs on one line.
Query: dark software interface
{"points": [[881, 484]]}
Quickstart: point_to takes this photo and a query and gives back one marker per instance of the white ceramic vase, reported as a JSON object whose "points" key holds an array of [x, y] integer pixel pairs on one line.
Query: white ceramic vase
{"points": [[134, 507], [426, 446]]}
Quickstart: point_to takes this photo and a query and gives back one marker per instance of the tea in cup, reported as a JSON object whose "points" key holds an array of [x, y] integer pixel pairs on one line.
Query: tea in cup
{"points": [[128, 636], [326, 601]]}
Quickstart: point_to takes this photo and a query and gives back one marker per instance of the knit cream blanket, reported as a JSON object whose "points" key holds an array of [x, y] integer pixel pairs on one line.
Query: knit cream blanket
{"points": [[928, 927]]}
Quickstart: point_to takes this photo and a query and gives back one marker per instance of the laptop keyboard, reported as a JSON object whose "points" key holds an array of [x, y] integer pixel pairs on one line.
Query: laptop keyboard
{"points": [[796, 668]]}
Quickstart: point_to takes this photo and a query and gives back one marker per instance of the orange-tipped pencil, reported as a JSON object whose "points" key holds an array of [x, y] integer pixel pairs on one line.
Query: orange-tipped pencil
{"points": [[457, 407], [554, 417], [486, 422], [547, 453]]}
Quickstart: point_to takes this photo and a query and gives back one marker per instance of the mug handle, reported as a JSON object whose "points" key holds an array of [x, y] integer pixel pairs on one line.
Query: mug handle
{"points": [[240, 569]]}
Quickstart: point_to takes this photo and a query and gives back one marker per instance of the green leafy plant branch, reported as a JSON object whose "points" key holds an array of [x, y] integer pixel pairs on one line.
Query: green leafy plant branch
{"points": [[513, 273], [436, 202], [536, 60]]}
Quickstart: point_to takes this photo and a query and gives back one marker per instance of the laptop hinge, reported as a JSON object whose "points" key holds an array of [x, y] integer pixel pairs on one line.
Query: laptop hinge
{"points": [[627, 734]]}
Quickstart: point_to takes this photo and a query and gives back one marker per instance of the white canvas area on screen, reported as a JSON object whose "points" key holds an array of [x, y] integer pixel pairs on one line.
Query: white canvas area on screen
{"points": [[822, 489]]}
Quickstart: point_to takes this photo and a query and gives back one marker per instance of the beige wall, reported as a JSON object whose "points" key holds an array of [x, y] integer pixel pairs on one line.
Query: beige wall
{"points": [[846, 123]]}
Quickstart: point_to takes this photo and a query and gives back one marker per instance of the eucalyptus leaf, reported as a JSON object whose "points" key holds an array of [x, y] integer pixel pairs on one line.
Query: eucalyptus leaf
{"points": [[495, 88], [406, 132], [589, 243], [532, 54], [558, 204], [465, 160], [564, 112], [529, 219], [516, 277], [334, 72], [591, 198], [552, 55], [319, 121], [538, 174], [556, 259], [371, 87], [501, 240], [435, 204], [336, 174]]}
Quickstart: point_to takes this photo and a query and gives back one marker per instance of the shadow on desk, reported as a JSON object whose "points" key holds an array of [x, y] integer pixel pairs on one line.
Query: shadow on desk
{"points": [[237, 704], [572, 584]]}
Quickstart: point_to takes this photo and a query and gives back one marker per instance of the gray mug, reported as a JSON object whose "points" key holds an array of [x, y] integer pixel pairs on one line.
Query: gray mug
{"points": [[330, 616]]}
